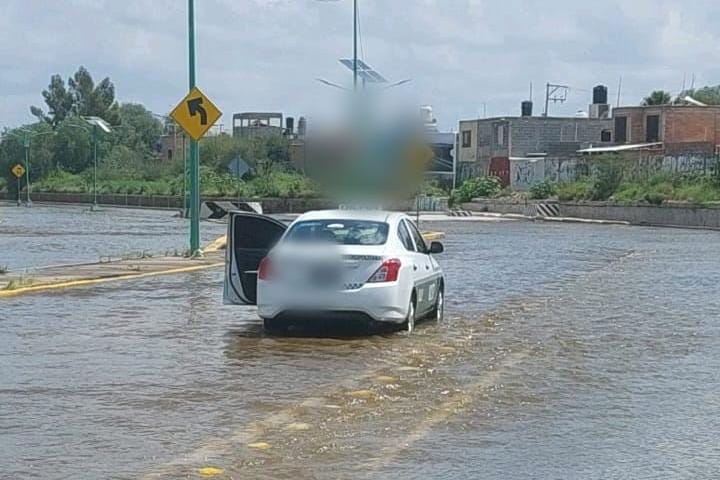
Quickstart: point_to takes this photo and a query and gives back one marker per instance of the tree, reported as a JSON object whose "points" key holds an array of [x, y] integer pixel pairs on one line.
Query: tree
{"points": [[657, 97], [80, 97], [72, 149], [707, 95], [92, 100], [59, 101], [138, 129]]}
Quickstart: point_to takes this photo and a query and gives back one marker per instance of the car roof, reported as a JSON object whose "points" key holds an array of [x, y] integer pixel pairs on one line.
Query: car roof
{"points": [[370, 215]]}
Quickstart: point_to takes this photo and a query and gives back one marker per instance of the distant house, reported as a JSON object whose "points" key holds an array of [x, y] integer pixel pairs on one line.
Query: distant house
{"points": [[257, 124], [674, 129], [487, 145]]}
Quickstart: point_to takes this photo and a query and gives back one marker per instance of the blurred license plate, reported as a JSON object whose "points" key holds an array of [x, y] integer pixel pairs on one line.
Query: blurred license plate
{"points": [[325, 275]]}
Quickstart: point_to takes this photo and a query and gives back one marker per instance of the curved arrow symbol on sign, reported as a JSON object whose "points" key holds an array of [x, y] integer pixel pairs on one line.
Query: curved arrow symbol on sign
{"points": [[195, 107]]}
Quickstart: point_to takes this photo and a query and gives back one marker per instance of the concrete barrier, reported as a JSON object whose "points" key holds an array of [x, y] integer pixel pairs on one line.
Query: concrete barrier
{"points": [[667, 214], [269, 205], [670, 214]]}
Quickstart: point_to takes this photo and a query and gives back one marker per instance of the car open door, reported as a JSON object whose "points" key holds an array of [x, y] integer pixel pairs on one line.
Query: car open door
{"points": [[249, 238]]}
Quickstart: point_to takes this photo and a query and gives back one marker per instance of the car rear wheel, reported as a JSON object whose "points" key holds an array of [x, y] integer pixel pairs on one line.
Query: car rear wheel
{"points": [[439, 310], [410, 322], [274, 324]]}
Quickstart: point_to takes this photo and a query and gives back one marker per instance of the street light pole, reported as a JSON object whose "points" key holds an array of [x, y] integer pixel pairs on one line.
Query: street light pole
{"points": [[26, 145], [95, 204], [194, 151]]}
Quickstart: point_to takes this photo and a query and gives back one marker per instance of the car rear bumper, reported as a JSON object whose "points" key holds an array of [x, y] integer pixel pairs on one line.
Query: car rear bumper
{"points": [[385, 303]]}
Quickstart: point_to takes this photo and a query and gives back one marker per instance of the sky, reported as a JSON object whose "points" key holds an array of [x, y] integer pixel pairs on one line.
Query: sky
{"points": [[466, 58]]}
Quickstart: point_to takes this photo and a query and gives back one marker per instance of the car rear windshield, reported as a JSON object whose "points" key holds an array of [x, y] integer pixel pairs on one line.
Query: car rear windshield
{"points": [[343, 232]]}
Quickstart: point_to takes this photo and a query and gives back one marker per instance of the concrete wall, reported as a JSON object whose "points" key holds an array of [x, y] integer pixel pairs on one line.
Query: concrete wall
{"points": [[639, 214], [500, 205], [270, 205], [524, 173], [680, 215], [555, 136]]}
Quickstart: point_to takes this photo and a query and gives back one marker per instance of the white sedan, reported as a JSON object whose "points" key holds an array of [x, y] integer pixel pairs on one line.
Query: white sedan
{"points": [[336, 264]]}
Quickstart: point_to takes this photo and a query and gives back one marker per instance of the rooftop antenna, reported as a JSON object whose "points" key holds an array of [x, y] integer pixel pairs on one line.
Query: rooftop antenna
{"points": [[555, 93], [619, 90], [683, 85]]}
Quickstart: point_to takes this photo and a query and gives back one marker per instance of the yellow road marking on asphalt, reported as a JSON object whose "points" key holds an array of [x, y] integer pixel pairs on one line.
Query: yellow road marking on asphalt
{"points": [[430, 236], [452, 406], [249, 433], [259, 445], [95, 281], [218, 244], [210, 471]]}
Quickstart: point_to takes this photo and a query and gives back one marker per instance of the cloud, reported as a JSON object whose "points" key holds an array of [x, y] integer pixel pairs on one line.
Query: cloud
{"points": [[265, 54]]}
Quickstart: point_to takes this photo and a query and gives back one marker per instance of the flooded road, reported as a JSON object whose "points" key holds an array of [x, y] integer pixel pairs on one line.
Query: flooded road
{"points": [[568, 351], [46, 235]]}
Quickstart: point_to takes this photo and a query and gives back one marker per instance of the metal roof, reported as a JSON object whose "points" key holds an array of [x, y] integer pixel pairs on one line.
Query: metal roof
{"points": [[620, 148]]}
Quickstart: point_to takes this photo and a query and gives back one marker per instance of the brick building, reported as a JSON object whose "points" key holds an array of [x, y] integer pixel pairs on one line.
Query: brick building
{"points": [[487, 145], [680, 129]]}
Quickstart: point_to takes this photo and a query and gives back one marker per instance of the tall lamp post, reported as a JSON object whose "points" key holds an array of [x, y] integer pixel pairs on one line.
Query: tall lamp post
{"points": [[26, 137], [94, 126]]}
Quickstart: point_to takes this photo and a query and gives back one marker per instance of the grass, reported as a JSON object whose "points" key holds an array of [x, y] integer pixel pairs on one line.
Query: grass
{"points": [[282, 184], [20, 282], [654, 190]]}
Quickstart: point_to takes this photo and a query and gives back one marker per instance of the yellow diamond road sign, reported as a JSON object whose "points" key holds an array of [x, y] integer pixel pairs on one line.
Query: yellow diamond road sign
{"points": [[196, 114], [18, 170]]}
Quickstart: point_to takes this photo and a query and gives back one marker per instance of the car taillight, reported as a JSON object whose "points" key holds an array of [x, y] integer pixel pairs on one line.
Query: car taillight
{"points": [[264, 269], [388, 271]]}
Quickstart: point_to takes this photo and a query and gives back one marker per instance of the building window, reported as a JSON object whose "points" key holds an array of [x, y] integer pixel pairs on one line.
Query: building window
{"points": [[620, 129], [169, 154], [466, 138], [500, 135], [606, 136], [652, 128]]}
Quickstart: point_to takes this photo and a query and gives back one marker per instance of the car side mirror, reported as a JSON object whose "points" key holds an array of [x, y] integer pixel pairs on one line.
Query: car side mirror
{"points": [[436, 247]]}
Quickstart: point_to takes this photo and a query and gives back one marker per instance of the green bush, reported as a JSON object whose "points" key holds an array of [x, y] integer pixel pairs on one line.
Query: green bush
{"points": [[606, 180], [60, 181], [654, 198], [432, 189], [543, 190], [579, 190], [475, 187]]}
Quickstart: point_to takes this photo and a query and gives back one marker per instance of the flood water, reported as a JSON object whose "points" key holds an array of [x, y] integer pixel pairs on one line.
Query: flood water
{"points": [[568, 351]]}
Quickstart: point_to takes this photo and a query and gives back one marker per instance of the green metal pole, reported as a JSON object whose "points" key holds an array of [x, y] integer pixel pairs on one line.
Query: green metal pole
{"points": [[27, 169], [194, 150], [94, 166]]}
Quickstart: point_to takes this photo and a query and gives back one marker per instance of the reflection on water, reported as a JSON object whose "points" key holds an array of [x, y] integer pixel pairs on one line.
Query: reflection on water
{"points": [[567, 352]]}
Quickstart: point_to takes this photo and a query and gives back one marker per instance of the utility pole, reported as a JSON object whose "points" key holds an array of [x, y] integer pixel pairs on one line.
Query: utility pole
{"points": [[555, 93], [194, 147], [355, 56]]}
